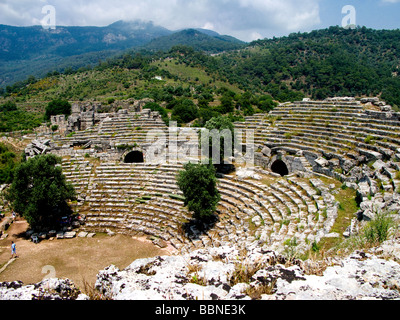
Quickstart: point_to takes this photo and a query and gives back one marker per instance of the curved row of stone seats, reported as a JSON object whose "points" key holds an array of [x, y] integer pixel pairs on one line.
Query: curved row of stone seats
{"points": [[117, 195], [286, 211], [317, 147], [356, 141], [310, 215], [334, 142], [113, 126], [351, 102], [345, 122], [115, 189], [122, 185], [385, 141], [336, 121], [156, 219], [78, 171], [359, 131]]}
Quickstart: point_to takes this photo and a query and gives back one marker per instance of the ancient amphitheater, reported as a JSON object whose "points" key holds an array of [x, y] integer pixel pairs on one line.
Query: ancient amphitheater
{"points": [[304, 153]]}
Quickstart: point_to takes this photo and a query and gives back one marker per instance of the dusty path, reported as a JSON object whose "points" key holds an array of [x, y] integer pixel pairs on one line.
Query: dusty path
{"points": [[78, 259]]}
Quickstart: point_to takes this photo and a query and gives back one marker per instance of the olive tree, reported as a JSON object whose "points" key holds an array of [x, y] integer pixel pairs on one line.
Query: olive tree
{"points": [[39, 191], [199, 186]]}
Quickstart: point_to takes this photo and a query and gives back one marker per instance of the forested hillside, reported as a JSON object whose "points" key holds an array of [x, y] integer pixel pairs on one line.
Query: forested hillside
{"points": [[199, 40], [330, 62], [35, 51], [195, 86]]}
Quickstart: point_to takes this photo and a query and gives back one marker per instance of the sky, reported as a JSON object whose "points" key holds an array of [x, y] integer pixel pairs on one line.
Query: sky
{"points": [[244, 19]]}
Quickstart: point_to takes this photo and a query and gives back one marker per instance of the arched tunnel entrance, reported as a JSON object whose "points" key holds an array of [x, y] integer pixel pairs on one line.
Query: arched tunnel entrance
{"points": [[280, 168], [134, 157]]}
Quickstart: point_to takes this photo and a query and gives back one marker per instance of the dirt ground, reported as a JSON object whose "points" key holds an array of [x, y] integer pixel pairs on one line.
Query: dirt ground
{"points": [[79, 259]]}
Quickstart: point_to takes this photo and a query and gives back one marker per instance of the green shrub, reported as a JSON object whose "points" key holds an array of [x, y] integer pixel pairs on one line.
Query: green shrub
{"points": [[185, 111], [199, 186], [57, 107], [39, 191], [8, 161], [8, 106], [377, 230], [156, 107]]}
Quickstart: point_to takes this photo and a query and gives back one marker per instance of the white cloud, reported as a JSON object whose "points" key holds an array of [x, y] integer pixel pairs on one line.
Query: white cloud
{"points": [[208, 26], [241, 18], [255, 36]]}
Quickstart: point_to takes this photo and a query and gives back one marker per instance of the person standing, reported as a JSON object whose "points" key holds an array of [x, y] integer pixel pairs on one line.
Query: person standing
{"points": [[13, 250]]}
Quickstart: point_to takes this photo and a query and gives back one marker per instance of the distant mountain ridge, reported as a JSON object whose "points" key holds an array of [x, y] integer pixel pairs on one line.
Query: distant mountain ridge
{"points": [[204, 40], [35, 51], [26, 42]]}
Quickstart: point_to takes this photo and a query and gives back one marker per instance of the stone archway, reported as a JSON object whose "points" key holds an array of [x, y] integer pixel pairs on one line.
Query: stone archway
{"points": [[134, 157], [280, 168]]}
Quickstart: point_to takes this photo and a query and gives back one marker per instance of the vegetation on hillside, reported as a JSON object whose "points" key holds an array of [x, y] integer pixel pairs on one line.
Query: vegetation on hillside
{"points": [[57, 107], [8, 161], [13, 118], [319, 64], [77, 47], [196, 87], [195, 39]]}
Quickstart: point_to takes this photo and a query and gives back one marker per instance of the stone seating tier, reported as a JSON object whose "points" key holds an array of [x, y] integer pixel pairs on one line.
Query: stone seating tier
{"points": [[113, 190]]}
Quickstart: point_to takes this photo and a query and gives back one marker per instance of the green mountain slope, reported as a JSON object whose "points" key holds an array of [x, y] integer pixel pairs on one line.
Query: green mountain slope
{"points": [[329, 62], [198, 39], [35, 51], [26, 42], [319, 64]]}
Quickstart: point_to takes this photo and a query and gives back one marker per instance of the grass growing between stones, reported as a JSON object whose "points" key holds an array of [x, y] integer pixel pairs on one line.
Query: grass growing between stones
{"points": [[372, 234], [346, 212]]}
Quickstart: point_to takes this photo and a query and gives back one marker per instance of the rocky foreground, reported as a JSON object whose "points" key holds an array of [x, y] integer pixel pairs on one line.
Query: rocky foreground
{"points": [[226, 274]]}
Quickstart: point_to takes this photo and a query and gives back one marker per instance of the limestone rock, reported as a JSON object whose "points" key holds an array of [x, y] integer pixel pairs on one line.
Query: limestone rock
{"points": [[207, 274], [70, 235], [379, 165], [49, 289], [257, 221], [38, 147], [361, 276], [322, 162], [266, 151], [348, 165]]}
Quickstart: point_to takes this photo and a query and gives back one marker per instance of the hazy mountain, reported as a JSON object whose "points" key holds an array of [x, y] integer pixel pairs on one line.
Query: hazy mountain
{"points": [[27, 42], [35, 51]]}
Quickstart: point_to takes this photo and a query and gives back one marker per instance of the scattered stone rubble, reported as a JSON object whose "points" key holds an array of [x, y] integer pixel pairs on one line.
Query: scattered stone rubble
{"points": [[38, 147], [49, 289], [376, 102]]}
